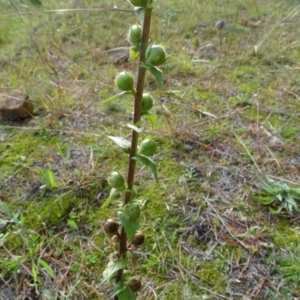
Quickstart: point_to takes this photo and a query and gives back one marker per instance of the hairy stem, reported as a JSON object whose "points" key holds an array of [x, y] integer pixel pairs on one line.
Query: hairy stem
{"points": [[134, 134]]}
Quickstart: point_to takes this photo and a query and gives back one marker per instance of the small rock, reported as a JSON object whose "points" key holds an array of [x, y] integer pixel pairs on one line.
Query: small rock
{"points": [[15, 105], [220, 24], [276, 142], [208, 50]]}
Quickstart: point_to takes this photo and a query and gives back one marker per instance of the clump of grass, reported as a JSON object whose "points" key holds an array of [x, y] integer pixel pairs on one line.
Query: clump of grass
{"points": [[278, 195]]}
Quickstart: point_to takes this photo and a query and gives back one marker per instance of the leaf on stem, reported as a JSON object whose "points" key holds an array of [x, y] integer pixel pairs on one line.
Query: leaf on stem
{"points": [[151, 118], [126, 294], [112, 267], [156, 72], [130, 225], [147, 161], [135, 128], [115, 97], [123, 143], [120, 287], [133, 53], [113, 194], [140, 11]]}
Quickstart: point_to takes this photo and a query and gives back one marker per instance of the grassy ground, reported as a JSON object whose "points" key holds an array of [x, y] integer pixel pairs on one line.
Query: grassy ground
{"points": [[233, 101]]}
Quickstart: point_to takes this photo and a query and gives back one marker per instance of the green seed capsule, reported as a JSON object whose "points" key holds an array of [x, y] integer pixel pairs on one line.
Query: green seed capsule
{"points": [[148, 147], [139, 3], [125, 81], [147, 103], [116, 180], [156, 55], [134, 35], [132, 211]]}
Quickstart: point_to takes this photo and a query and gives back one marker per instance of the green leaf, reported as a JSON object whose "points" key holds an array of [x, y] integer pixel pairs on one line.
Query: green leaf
{"points": [[151, 118], [285, 294], [51, 178], [114, 266], [113, 194], [48, 177], [118, 289], [115, 97], [135, 128], [140, 12], [130, 226], [133, 53], [273, 211], [127, 295], [123, 143], [34, 273], [48, 294], [147, 161], [156, 72], [72, 224], [5, 209], [3, 238], [46, 268], [290, 200]]}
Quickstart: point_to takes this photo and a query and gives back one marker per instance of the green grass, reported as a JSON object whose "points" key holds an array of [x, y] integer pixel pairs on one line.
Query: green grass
{"points": [[205, 233]]}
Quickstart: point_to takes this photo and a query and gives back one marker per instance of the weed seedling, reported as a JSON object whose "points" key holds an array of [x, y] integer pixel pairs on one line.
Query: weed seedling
{"points": [[278, 195]]}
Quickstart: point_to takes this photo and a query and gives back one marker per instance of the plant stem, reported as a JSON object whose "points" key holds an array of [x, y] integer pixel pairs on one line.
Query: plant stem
{"points": [[134, 134]]}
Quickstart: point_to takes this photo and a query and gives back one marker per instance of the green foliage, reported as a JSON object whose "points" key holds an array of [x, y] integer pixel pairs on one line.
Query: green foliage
{"points": [[207, 98], [278, 195], [121, 142], [289, 269], [130, 225], [124, 293], [156, 72], [112, 267], [147, 161], [48, 178]]}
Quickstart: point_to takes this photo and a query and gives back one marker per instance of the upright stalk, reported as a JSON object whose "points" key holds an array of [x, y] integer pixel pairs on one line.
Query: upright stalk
{"points": [[134, 134]]}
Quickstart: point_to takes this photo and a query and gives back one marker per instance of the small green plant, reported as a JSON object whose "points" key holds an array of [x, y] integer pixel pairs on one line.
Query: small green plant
{"points": [[123, 230], [289, 268], [7, 217], [278, 195], [33, 244], [48, 178]]}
